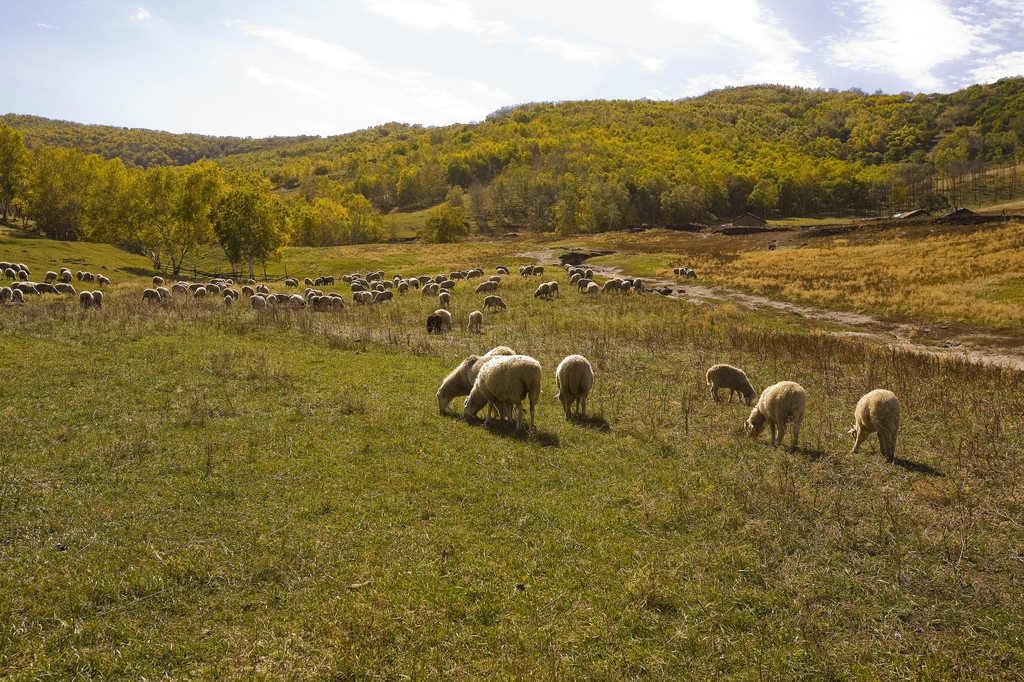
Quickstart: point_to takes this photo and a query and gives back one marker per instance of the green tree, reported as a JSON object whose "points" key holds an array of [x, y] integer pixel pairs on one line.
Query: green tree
{"points": [[251, 222], [684, 204], [367, 223], [764, 197], [14, 166], [446, 224], [60, 191], [322, 223]]}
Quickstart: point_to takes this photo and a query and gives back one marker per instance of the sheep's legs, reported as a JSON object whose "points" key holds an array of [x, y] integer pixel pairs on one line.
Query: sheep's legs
{"points": [[858, 440]]}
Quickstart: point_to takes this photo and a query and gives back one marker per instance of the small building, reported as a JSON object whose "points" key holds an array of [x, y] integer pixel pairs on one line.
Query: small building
{"points": [[959, 214], [748, 220]]}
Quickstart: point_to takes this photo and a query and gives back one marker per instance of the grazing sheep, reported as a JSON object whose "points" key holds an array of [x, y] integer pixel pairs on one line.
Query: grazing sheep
{"points": [[151, 295], [228, 300], [444, 299], [85, 299], [9, 273], [26, 288], [44, 288], [257, 302], [543, 291], [476, 321], [494, 302], [448, 285], [485, 287], [51, 276], [779, 404], [732, 378], [878, 412], [180, 289], [526, 270], [248, 291], [199, 292], [593, 289], [440, 278], [574, 378], [308, 282], [501, 270], [79, 275], [65, 288], [446, 317], [614, 284], [403, 287], [552, 289], [582, 284], [296, 301], [158, 281], [23, 275], [494, 278], [435, 323], [165, 294], [291, 282], [460, 380], [381, 296], [101, 280], [65, 276], [17, 297], [5, 294], [505, 380], [97, 298]]}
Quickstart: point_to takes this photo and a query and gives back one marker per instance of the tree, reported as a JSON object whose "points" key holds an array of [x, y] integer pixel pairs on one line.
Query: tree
{"points": [[446, 224], [60, 191], [14, 166], [764, 197], [250, 222], [367, 223], [322, 223]]}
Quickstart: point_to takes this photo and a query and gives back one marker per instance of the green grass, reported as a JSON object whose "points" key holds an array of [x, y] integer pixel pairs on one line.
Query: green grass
{"points": [[194, 492], [408, 224]]}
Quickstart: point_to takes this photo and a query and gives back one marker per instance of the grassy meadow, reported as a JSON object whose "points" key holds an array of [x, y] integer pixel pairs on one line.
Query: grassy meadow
{"points": [[194, 492]]}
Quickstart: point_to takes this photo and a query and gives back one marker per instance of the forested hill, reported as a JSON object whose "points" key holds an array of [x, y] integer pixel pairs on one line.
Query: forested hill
{"points": [[138, 146], [599, 165]]}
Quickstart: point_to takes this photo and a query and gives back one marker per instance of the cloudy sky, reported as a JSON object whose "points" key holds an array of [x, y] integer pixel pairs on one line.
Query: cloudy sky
{"points": [[322, 67]]}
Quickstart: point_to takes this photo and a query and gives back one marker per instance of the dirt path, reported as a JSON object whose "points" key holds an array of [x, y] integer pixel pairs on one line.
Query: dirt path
{"points": [[942, 340]]}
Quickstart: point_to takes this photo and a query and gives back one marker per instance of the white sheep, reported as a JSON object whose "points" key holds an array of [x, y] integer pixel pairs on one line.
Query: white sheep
{"points": [[165, 294], [84, 299], [779, 404], [593, 289], [444, 299], [17, 297], [878, 412], [732, 378], [97, 298], [494, 302], [461, 379], [574, 378], [257, 302], [543, 291], [485, 287], [505, 380], [5, 294], [476, 321], [446, 321], [296, 301], [51, 276], [151, 295], [228, 300]]}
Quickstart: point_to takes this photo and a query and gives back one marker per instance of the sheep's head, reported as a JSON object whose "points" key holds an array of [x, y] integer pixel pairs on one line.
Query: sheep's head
{"points": [[748, 397], [474, 403], [755, 425]]}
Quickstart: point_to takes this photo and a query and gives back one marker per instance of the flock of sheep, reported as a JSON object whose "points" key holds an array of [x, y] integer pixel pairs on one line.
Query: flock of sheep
{"points": [[502, 379], [57, 283]]}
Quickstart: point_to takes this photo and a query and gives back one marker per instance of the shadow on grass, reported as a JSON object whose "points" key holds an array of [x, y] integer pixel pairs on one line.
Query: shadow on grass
{"points": [[498, 427], [916, 467], [139, 272], [812, 455], [596, 422]]}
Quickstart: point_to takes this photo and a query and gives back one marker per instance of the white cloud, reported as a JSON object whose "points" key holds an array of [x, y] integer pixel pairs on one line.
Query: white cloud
{"points": [[771, 52], [141, 15], [458, 15], [317, 50], [47, 26], [1009, 64], [289, 83], [908, 38]]}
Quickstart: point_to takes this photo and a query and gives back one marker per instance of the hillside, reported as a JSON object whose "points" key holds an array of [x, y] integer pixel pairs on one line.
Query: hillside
{"points": [[594, 166]]}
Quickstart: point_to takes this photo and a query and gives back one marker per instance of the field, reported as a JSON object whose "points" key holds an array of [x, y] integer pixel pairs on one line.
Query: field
{"points": [[194, 492]]}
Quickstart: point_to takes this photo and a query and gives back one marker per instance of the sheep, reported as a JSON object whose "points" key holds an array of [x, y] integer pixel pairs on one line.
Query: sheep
{"points": [[460, 380], [23, 275], [446, 319], [582, 284], [494, 278], [403, 287], [430, 290], [257, 302], [228, 300], [26, 288], [501, 270], [485, 287], [448, 285], [97, 298], [101, 280], [476, 321], [878, 412], [732, 378], [296, 301], [291, 282], [180, 289], [444, 299], [435, 323], [65, 275], [440, 278], [779, 404], [308, 282], [151, 295], [424, 280], [248, 291], [494, 302], [5, 294], [51, 276], [574, 378], [593, 289], [381, 296], [506, 379], [552, 289], [44, 288], [85, 299], [543, 291], [17, 297], [158, 281], [199, 292], [165, 294], [78, 275]]}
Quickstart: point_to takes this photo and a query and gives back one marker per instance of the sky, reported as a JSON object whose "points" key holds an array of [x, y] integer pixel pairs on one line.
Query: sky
{"points": [[317, 67]]}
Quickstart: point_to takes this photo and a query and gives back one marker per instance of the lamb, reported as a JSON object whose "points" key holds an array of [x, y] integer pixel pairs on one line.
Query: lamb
{"points": [[461, 379], [151, 295], [476, 321], [494, 302], [574, 378], [779, 404], [878, 412], [507, 379], [732, 378]]}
